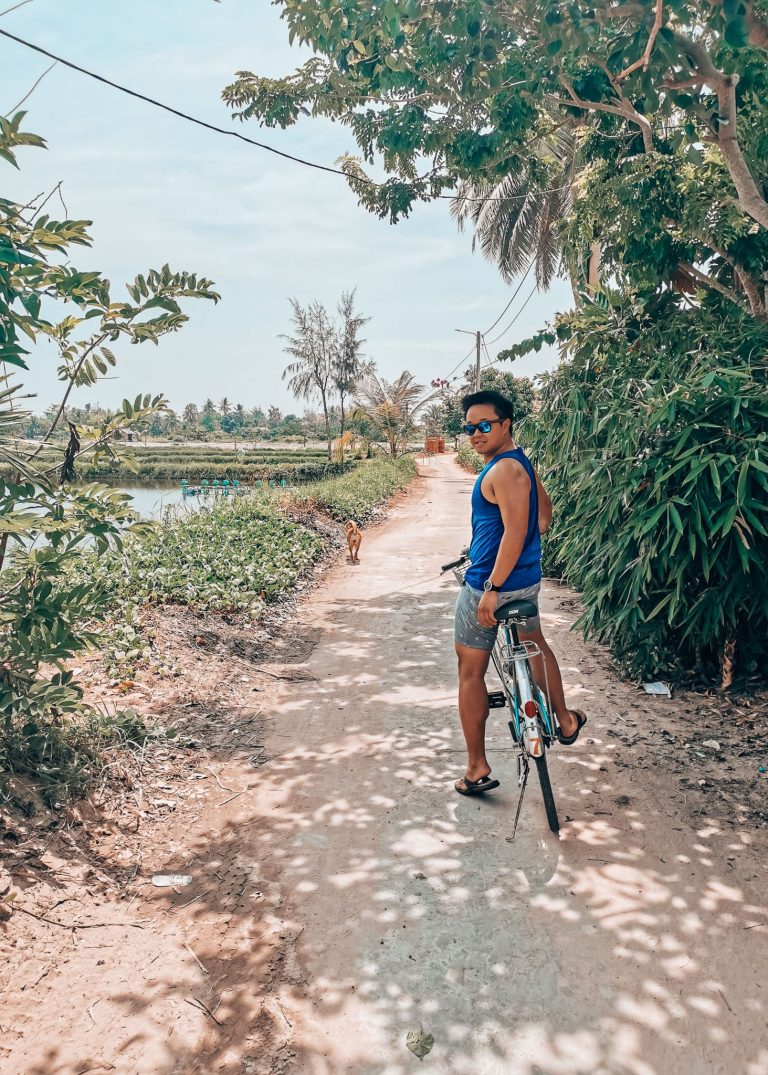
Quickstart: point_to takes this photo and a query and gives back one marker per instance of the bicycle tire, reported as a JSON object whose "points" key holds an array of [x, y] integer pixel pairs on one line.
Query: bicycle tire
{"points": [[546, 791]]}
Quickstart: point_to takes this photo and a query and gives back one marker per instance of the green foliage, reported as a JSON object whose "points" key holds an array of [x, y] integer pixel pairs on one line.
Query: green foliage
{"points": [[194, 471], [653, 439], [441, 83], [315, 348], [389, 408], [357, 495], [467, 457], [46, 615], [235, 556], [519, 390], [518, 219], [45, 727], [238, 556], [66, 756]]}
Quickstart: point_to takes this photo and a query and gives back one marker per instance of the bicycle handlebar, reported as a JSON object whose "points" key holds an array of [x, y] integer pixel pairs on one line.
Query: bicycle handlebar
{"points": [[455, 563]]}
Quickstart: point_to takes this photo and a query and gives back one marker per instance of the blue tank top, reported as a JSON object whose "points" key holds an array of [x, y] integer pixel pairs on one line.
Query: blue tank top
{"points": [[488, 530]]}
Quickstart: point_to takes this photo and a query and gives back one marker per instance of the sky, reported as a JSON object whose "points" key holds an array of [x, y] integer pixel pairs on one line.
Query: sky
{"points": [[262, 228]]}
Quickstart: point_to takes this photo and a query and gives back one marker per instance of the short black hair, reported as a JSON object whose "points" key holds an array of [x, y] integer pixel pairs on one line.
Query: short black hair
{"points": [[504, 407]]}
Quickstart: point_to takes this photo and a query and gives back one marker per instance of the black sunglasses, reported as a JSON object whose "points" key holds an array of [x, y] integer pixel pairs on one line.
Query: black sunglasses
{"points": [[485, 426]]}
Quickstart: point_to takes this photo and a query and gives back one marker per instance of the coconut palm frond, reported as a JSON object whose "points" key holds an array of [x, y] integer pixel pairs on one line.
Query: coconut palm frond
{"points": [[390, 407], [519, 218]]}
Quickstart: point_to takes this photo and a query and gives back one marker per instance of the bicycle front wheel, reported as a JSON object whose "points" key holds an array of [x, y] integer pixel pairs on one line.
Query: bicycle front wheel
{"points": [[546, 791]]}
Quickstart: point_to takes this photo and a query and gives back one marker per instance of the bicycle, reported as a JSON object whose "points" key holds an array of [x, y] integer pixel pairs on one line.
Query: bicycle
{"points": [[533, 728]]}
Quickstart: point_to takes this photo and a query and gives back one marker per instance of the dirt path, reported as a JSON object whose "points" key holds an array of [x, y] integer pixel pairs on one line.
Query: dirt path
{"points": [[343, 895]]}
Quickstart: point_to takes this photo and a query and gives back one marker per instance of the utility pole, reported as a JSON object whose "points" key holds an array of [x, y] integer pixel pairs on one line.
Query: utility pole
{"points": [[478, 342]]}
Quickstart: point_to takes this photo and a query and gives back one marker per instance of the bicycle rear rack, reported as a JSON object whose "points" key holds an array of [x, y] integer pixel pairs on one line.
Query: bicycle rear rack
{"points": [[522, 651]]}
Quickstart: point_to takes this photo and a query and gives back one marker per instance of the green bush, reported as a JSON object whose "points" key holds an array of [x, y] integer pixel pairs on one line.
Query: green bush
{"points": [[358, 494], [197, 471], [467, 457], [235, 556], [654, 439]]}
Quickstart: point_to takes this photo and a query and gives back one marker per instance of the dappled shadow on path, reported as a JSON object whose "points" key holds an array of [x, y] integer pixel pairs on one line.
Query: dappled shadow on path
{"points": [[370, 900], [351, 896]]}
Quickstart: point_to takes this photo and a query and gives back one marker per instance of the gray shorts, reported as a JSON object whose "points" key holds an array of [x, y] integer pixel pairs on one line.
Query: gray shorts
{"points": [[469, 632]]}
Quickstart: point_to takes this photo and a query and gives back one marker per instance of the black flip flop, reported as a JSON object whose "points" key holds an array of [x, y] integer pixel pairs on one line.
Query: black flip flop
{"points": [[569, 740], [477, 787]]}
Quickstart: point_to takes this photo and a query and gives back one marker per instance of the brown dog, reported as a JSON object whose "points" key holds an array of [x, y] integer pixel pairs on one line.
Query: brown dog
{"points": [[354, 537]]}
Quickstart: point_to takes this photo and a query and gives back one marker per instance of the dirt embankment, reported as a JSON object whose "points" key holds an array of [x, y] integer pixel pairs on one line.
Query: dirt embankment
{"points": [[333, 893]]}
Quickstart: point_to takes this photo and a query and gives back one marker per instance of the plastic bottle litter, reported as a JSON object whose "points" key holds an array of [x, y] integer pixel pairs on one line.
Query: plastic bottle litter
{"points": [[171, 880]]}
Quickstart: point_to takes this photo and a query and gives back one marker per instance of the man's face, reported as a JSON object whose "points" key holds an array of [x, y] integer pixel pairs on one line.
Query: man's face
{"points": [[487, 443]]}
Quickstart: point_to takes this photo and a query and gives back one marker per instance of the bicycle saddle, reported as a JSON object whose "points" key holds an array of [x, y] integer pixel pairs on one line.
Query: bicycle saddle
{"points": [[516, 612]]}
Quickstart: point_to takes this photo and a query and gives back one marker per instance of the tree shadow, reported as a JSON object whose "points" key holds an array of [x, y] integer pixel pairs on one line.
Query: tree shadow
{"points": [[351, 896]]}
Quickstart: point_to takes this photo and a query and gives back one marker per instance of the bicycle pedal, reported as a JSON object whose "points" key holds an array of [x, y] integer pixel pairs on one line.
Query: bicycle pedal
{"points": [[497, 700]]}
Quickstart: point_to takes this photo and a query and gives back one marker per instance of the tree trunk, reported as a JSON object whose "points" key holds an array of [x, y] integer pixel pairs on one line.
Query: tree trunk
{"points": [[750, 197], [327, 425], [593, 265]]}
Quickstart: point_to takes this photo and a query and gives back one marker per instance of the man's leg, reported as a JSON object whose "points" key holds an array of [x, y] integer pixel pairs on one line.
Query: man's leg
{"points": [[473, 707], [547, 662]]}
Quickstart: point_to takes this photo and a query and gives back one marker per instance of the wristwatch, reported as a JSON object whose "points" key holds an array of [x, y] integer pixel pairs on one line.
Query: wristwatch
{"points": [[488, 586]]}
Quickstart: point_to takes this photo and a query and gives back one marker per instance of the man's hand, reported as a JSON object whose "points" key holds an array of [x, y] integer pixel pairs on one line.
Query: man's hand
{"points": [[486, 610]]}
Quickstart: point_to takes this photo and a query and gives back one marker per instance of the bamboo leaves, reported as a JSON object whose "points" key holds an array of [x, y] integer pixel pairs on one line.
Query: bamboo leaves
{"points": [[661, 490]]}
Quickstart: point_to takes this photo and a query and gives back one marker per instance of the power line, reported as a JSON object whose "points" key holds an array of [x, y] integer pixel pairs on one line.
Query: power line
{"points": [[173, 111], [242, 137], [514, 296], [469, 354], [460, 363], [511, 323]]}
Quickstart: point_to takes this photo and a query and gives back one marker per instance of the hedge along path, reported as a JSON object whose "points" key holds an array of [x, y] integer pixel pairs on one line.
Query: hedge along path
{"points": [[240, 556]]}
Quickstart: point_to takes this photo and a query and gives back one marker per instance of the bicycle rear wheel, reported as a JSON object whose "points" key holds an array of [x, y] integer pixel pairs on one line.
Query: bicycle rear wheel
{"points": [[546, 791]]}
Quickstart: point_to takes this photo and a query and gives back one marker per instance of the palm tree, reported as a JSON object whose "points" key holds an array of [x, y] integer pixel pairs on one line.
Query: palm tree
{"points": [[433, 419], [390, 407], [518, 219], [313, 347], [224, 407]]}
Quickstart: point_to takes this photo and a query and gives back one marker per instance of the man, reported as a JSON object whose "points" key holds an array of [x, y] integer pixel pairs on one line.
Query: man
{"points": [[510, 509]]}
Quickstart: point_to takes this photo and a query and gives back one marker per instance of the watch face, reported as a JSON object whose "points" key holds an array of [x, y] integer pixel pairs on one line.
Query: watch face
{"points": [[487, 585]]}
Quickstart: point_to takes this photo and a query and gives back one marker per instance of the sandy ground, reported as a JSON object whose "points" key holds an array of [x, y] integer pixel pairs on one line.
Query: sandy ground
{"points": [[343, 895]]}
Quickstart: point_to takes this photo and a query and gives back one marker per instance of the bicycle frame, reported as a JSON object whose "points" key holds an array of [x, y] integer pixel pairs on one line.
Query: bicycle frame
{"points": [[532, 726]]}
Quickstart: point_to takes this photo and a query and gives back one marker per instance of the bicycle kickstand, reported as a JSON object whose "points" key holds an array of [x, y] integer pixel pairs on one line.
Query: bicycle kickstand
{"points": [[522, 779]]}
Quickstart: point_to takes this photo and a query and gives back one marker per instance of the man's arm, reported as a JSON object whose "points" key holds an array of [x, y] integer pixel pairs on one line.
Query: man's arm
{"points": [[511, 488], [545, 506]]}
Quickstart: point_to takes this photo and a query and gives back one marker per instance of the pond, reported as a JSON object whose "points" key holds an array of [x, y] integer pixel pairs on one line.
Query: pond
{"points": [[150, 501]]}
